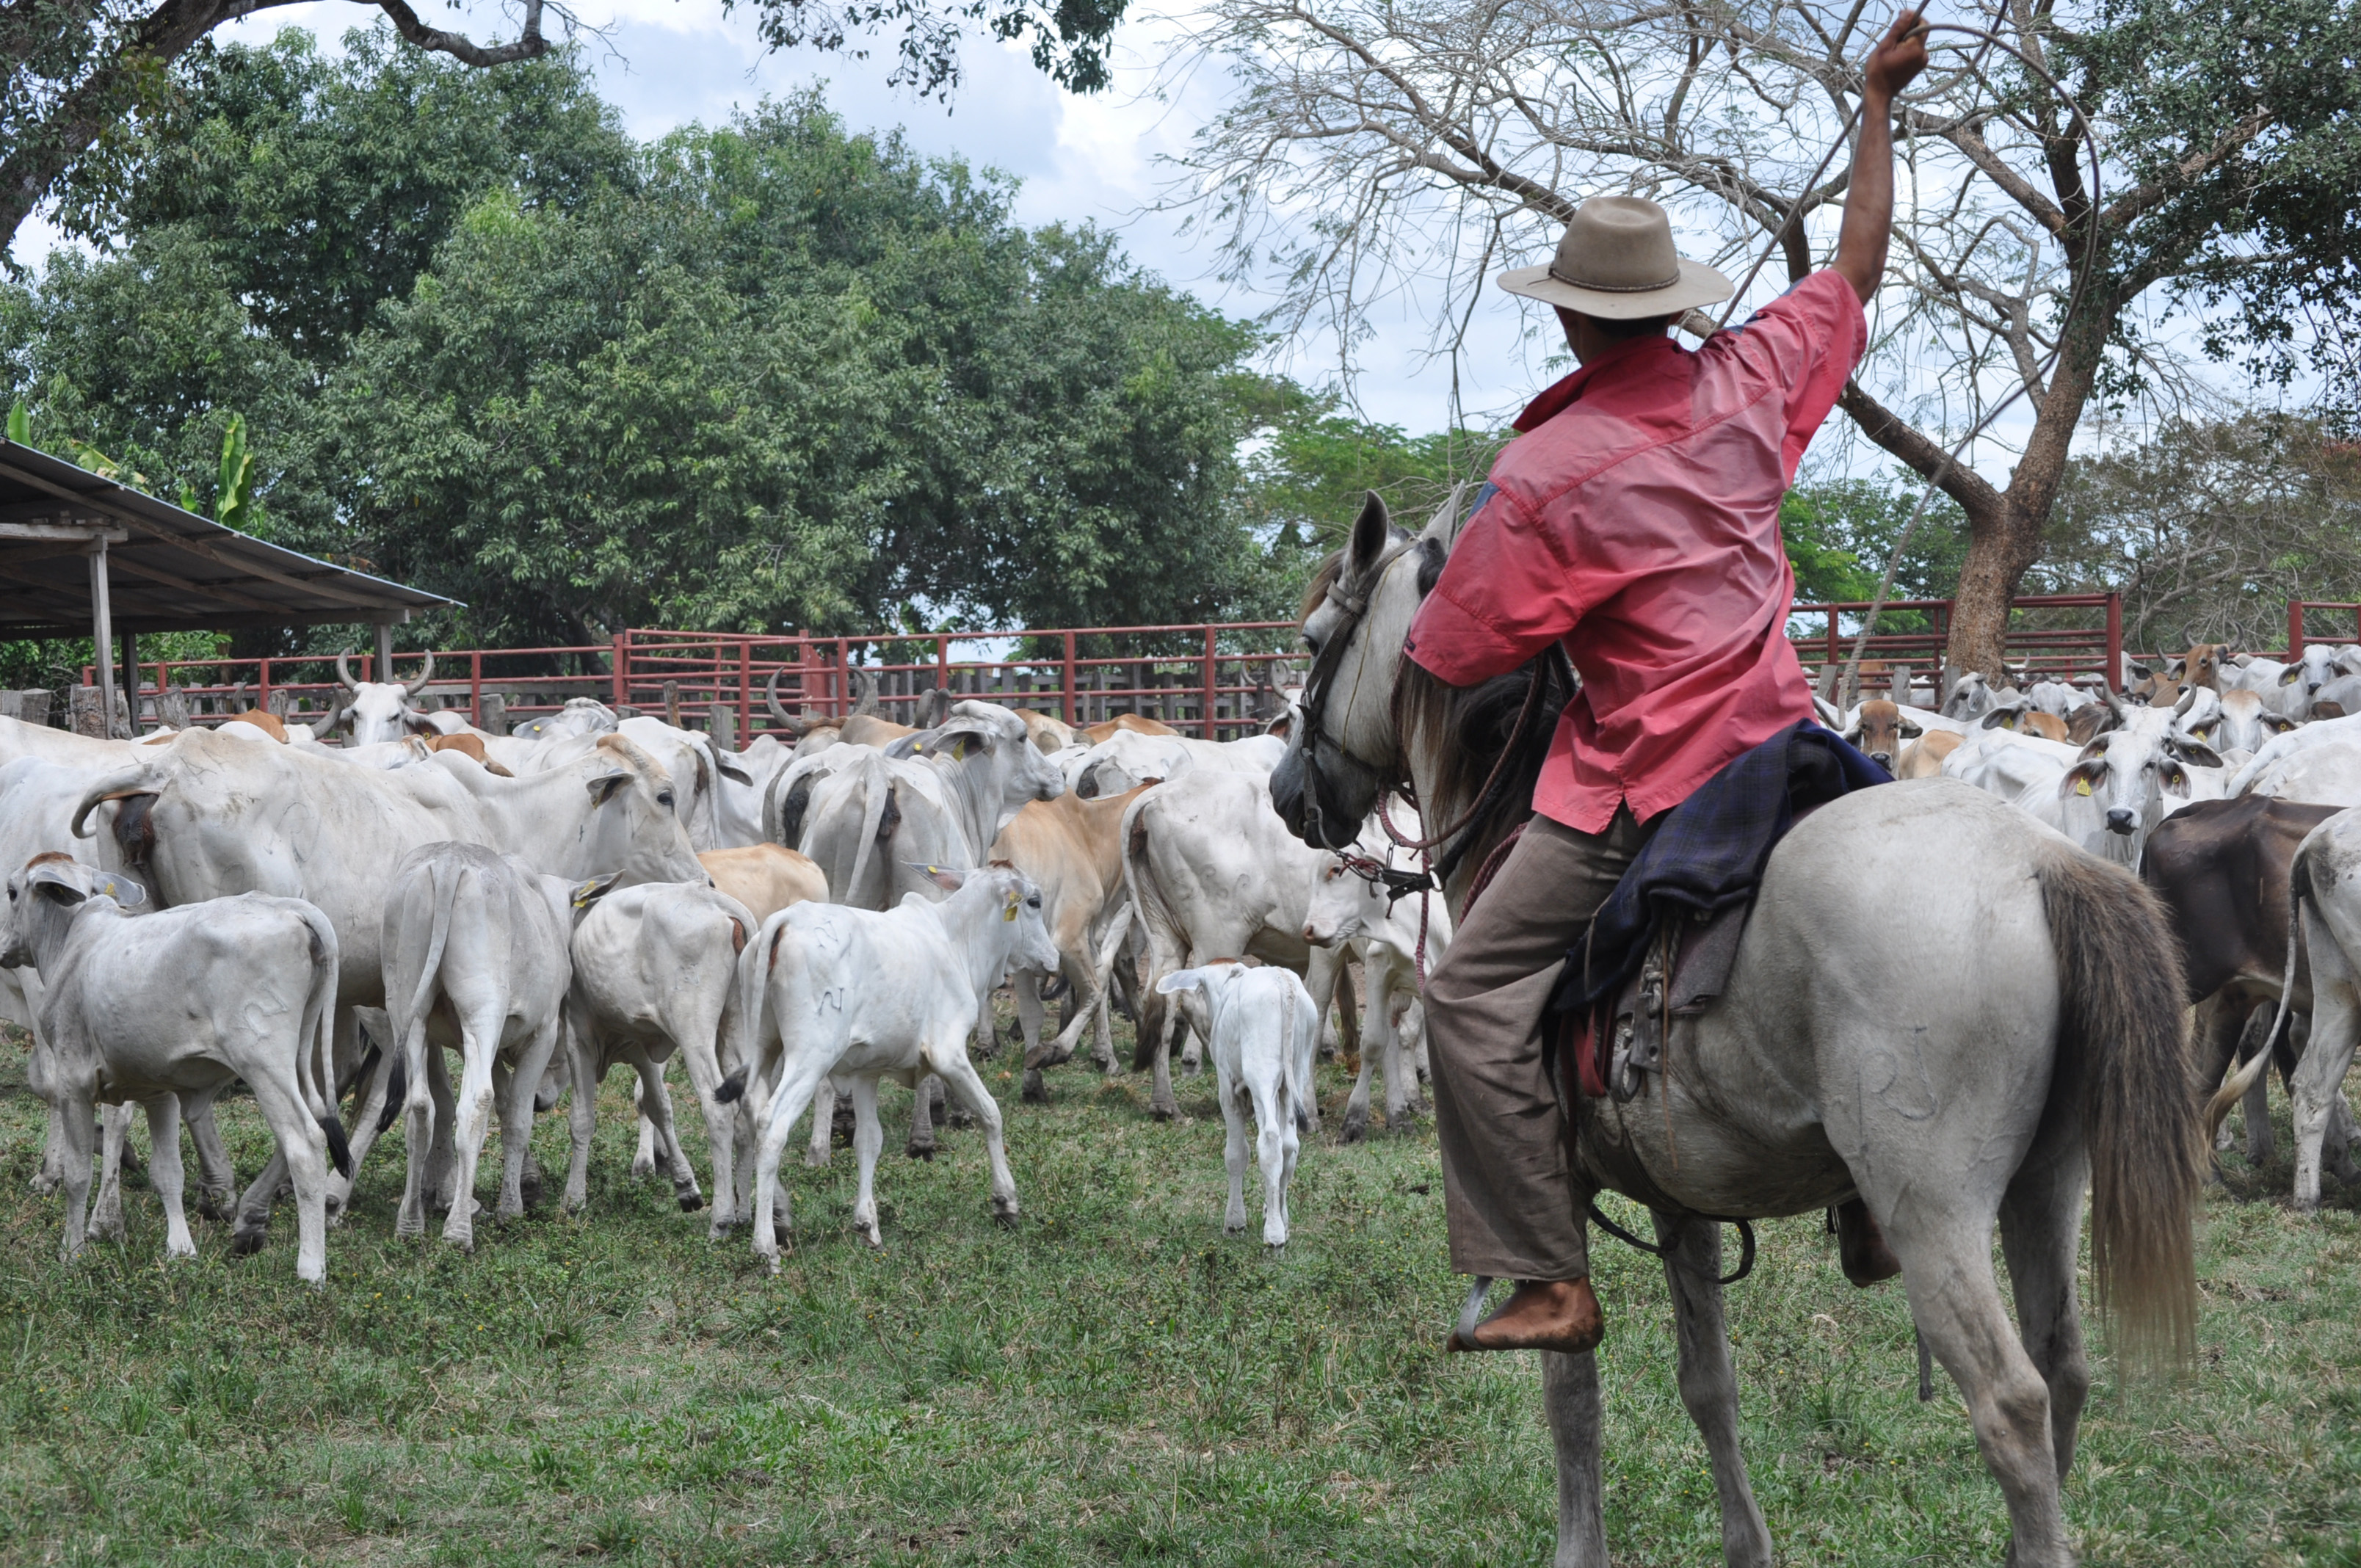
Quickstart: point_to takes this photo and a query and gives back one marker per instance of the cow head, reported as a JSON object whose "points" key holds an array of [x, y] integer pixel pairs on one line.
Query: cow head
{"points": [[989, 741], [43, 898], [634, 827], [1343, 905], [1968, 698], [2201, 667], [2310, 670], [2125, 782], [1878, 731], [371, 711]]}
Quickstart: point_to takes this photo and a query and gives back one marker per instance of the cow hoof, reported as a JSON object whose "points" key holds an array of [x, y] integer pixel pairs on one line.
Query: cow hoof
{"points": [[210, 1208], [1357, 1126], [1164, 1112], [780, 1238], [1234, 1228], [961, 1116], [920, 1151], [876, 1241], [642, 1169], [816, 1159], [1036, 1092], [690, 1202], [245, 1243]]}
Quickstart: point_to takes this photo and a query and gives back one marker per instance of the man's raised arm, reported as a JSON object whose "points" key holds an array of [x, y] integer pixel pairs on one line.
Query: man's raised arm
{"points": [[1898, 60]]}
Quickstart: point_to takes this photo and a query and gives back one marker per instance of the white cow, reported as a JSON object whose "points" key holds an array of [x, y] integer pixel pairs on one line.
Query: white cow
{"points": [[2320, 763], [2325, 889], [1263, 1029], [655, 974], [1215, 873], [2124, 783], [2244, 723], [372, 711], [179, 1003], [474, 955], [209, 817], [1126, 759], [1352, 910], [863, 995]]}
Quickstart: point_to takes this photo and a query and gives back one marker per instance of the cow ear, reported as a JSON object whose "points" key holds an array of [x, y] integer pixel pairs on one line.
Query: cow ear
{"points": [[587, 893], [602, 788], [60, 882], [2279, 723], [2328, 710], [2081, 776], [2001, 718], [944, 877], [2197, 754], [2291, 675], [1852, 736], [1179, 980], [1910, 730]]}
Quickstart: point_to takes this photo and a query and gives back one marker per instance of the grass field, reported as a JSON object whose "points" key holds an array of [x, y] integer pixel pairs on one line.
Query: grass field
{"points": [[1113, 1380]]}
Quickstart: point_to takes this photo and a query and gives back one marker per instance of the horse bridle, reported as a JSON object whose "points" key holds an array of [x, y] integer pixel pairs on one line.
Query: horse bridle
{"points": [[1354, 608]]}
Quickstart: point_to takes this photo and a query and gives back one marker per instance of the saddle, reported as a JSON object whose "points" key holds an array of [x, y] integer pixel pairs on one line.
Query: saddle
{"points": [[1662, 945]]}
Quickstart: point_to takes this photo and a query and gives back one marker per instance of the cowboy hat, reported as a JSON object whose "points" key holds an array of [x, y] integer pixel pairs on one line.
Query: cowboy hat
{"points": [[1616, 262]]}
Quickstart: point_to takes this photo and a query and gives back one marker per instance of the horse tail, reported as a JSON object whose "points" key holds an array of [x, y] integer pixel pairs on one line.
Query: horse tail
{"points": [[2123, 1055], [2234, 1088]]}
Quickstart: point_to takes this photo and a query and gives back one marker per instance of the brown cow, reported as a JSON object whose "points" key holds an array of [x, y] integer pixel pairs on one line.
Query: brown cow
{"points": [[2200, 667], [1133, 722], [2221, 867], [1073, 848], [1878, 731], [1923, 758], [765, 878], [1049, 732], [467, 746], [262, 720]]}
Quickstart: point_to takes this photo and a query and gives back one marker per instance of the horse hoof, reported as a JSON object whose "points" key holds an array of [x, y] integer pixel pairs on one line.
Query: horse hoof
{"points": [[690, 1202]]}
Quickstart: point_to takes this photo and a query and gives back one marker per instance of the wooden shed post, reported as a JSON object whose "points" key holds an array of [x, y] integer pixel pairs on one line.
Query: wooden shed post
{"points": [[101, 635]]}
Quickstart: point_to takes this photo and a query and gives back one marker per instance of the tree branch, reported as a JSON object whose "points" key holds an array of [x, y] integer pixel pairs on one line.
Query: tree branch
{"points": [[1882, 426], [529, 44]]}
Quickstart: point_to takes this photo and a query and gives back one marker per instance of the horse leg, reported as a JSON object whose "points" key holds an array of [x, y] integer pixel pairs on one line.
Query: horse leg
{"points": [[1570, 1395], [1708, 1381], [2041, 1235], [1947, 1268]]}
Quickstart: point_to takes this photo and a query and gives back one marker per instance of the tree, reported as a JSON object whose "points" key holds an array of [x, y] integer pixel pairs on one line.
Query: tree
{"points": [[1376, 140], [78, 76], [2208, 530]]}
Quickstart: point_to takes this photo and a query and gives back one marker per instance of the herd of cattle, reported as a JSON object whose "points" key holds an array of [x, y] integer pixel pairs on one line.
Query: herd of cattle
{"points": [[836, 906], [807, 918]]}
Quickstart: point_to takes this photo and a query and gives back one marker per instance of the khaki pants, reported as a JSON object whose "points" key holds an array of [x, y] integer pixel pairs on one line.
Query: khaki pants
{"points": [[1512, 1211]]}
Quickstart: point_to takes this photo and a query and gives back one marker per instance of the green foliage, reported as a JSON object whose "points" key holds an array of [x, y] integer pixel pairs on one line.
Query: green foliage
{"points": [[770, 374], [1839, 533], [20, 423]]}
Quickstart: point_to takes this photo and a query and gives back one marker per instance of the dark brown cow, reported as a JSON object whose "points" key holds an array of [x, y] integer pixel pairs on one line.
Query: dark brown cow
{"points": [[2221, 867]]}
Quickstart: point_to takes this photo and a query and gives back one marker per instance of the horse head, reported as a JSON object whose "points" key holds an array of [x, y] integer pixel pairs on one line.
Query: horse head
{"points": [[1356, 615]]}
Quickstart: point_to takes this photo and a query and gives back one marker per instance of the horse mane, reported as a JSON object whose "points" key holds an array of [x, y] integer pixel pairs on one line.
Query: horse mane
{"points": [[1461, 732]]}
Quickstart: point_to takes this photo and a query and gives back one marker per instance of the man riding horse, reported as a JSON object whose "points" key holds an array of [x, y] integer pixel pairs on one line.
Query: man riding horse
{"points": [[1636, 521]]}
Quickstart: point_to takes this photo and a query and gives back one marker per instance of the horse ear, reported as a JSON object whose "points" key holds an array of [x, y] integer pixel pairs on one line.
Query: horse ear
{"points": [[1372, 530]]}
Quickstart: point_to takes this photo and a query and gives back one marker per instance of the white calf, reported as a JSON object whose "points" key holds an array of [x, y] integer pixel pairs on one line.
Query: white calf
{"points": [[1349, 909], [475, 943], [179, 1002], [1263, 1029], [860, 995], [654, 972]]}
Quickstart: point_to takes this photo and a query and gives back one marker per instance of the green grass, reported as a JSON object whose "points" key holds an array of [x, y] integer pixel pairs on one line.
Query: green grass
{"points": [[1112, 1381]]}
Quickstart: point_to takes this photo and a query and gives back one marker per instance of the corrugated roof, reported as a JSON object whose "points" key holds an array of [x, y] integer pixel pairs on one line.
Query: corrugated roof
{"points": [[168, 570]]}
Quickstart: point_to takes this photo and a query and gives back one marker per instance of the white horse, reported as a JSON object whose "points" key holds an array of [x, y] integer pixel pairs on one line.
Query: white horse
{"points": [[1958, 1050]]}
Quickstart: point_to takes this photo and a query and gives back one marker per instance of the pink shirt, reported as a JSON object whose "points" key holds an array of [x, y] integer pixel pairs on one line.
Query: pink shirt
{"points": [[1637, 520]]}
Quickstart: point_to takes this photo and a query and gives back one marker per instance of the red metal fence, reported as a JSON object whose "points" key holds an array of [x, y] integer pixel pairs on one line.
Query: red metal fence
{"points": [[1217, 680]]}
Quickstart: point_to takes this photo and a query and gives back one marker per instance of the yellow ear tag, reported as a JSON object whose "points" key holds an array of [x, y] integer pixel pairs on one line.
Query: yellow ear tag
{"points": [[2081, 786], [1009, 912]]}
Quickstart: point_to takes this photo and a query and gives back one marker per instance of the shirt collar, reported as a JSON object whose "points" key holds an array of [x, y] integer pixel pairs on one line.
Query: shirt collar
{"points": [[1555, 399]]}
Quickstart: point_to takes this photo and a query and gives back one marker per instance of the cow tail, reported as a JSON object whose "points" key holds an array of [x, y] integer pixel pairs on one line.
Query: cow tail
{"points": [[734, 1043], [1161, 925], [1291, 1093], [2123, 1059], [876, 793], [315, 1047], [2234, 1088], [413, 1027]]}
